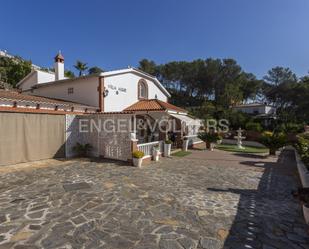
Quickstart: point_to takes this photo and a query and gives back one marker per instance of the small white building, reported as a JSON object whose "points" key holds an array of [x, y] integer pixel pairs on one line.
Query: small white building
{"points": [[256, 109]]}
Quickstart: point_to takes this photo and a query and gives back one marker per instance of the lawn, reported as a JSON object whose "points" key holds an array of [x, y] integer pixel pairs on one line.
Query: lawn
{"points": [[181, 153], [247, 149]]}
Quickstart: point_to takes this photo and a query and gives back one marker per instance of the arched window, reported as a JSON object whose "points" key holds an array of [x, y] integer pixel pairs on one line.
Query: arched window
{"points": [[142, 89]]}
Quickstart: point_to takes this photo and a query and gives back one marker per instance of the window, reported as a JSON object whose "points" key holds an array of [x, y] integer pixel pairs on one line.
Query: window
{"points": [[142, 89], [70, 90]]}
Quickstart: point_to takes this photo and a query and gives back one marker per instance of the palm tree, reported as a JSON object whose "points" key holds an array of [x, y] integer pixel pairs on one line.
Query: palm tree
{"points": [[81, 67]]}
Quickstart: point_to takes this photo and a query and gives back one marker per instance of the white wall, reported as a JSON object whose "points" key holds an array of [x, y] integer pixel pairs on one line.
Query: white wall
{"points": [[129, 82], [31, 81], [253, 109], [59, 70], [109, 144], [84, 91], [36, 77], [270, 110], [44, 77]]}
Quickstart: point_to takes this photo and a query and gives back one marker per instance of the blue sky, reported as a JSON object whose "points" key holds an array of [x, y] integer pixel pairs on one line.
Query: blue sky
{"points": [[259, 34]]}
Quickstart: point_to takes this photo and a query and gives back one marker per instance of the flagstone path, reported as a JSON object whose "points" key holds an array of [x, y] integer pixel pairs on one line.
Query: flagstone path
{"points": [[207, 200]]}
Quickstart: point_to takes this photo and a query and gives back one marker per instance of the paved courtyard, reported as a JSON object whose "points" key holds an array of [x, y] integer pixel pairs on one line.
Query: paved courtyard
{"points": [[206, 200]]}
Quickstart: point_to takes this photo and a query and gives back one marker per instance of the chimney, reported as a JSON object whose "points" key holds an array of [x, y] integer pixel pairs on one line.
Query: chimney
{"points": [[59, 67]]}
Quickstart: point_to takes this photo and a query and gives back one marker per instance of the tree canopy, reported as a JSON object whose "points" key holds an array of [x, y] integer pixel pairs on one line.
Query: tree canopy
{"points": [[95, 70], [12, 70], [212, 85], [221, 80]]}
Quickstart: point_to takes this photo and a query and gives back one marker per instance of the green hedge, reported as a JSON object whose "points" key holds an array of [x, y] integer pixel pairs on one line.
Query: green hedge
{"points": [[253, 126], [302, 147]]}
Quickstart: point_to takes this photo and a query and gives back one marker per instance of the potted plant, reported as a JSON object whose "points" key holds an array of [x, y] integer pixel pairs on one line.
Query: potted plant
{"points": [[156, 152], [138, 158], [185, 144], [210, 138], [167, 147], [273, 141], [82, 150], [219, 139]]}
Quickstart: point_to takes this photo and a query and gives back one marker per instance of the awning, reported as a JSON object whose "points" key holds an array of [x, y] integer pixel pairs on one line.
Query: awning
{"points": [[187, 120]]}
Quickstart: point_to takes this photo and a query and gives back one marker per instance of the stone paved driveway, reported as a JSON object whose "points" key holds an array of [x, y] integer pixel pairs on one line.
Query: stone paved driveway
{"points": [[205, 200]]}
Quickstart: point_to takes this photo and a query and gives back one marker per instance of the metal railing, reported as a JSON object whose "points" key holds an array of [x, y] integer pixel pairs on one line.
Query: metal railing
{"points": [[147, 148]]}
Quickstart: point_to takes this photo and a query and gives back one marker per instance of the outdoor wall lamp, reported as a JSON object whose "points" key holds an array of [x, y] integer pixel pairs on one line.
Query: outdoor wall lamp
{"points": [[105, 93]]}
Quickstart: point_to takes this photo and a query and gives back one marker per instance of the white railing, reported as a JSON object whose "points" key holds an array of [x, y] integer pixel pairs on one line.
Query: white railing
{"points": [[193, 139], [190, 136], [147, 148]]}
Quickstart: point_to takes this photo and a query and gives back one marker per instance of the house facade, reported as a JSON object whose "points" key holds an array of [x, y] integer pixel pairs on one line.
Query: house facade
{"points": [[111, 91], [127, 94]]}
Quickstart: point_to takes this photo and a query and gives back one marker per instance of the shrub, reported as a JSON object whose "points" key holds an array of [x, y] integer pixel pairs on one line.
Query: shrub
{"points": [[302, 147], [273, 141], [167, 141], [138, 154], [253, 126], [82, 149], [291, 128], [210, 137]]}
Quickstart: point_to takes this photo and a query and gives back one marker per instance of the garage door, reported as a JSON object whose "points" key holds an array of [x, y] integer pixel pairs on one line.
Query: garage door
{"points": [[29, 137]]}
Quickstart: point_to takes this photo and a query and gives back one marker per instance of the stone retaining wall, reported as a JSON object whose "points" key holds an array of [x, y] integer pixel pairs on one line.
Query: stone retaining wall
{"points": [[304, 178], [302, 170]]}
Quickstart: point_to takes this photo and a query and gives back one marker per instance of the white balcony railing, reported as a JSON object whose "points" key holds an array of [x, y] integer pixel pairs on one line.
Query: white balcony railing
{"points": [[147, 148]]}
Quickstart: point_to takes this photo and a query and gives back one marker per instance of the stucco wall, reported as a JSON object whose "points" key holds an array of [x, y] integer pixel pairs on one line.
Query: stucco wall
{"points": [[28, 83], [123, 91], [108, 144], [37, 77], [45, 77], [84, 91]]}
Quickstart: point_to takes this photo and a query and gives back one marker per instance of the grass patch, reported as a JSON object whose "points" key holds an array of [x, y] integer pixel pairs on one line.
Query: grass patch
{"points": [[234, 148], [181, 153]]}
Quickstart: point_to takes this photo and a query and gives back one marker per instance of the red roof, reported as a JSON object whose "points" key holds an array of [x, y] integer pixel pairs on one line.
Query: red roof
{"points": [[153, 105]]}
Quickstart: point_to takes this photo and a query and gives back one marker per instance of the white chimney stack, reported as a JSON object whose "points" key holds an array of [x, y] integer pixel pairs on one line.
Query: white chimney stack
{"points": [[59, 67]]}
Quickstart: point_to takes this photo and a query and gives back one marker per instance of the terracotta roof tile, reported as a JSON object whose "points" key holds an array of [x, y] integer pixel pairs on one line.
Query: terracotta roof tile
{"points": [[153, 105]]}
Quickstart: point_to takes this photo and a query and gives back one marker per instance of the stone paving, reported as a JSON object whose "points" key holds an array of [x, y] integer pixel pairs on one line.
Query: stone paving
{"points": [[207, 200]]}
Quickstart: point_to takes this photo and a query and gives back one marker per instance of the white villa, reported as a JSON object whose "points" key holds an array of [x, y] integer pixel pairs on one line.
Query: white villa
{"points": [[42, 119], [119, 91]]}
